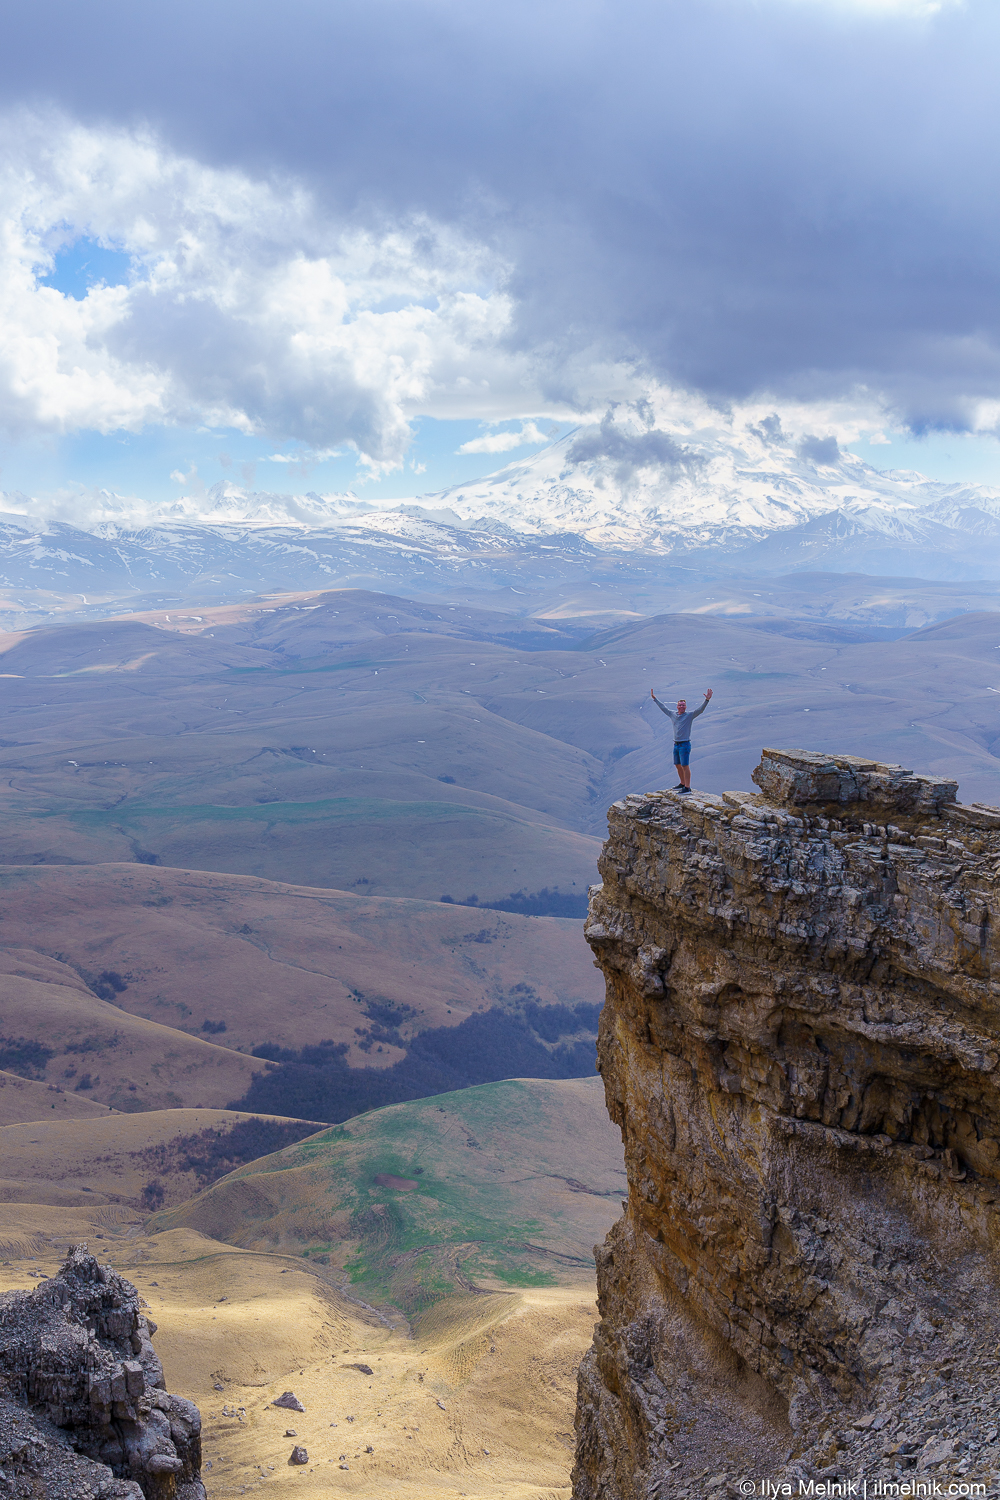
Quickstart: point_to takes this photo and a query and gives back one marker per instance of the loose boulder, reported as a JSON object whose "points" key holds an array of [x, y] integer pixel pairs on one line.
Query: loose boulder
{"points": [[289, 1401]]}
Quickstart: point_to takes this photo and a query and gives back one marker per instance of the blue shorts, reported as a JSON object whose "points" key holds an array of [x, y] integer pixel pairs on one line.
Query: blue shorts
{"points": [[682, 752]]}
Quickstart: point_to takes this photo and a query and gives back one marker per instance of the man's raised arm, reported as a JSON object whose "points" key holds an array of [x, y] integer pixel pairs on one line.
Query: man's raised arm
{"points": [[701, 710], [662, 707]]}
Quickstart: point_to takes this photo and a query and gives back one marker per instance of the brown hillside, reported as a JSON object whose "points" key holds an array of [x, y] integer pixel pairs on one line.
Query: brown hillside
{"points": [[114, 1155], [277, 962], [27, 1099], [127, 1062]]}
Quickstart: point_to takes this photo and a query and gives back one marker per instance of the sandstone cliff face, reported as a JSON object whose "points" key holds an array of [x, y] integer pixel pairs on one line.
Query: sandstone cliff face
{"points": [[800, 1045], [83, 1411]]}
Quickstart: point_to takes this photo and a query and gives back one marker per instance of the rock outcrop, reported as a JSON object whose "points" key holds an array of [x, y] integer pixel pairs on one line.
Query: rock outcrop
{"points": [[83, 1411], [800, 1044]]}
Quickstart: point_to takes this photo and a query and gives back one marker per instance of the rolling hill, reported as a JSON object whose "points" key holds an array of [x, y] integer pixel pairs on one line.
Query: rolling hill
{"points": [[240, 961], [415, 1406], [420, 763], [149, 989], [140, 1160], [500, 1186]]}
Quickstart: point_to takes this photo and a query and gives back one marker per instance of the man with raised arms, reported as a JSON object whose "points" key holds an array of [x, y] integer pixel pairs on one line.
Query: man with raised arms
{"points": [[682, 735]]}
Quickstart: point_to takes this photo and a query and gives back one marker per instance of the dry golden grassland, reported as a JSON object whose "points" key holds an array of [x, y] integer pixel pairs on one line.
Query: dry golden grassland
{"points": [[30, 1099], [476, 1399], [127, 1060], [112, 1159], [471, 1394]]}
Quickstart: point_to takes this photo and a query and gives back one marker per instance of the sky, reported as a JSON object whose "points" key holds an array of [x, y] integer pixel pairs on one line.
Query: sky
{"points": [[386, 246]]}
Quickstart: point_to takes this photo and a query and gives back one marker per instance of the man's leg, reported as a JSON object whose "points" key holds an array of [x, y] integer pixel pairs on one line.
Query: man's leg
{"points": [[684, 772]]}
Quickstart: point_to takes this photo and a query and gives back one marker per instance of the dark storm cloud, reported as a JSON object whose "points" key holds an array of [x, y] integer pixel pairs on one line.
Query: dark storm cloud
{"points": [[738, 196], [627, 451], [819, 450]]}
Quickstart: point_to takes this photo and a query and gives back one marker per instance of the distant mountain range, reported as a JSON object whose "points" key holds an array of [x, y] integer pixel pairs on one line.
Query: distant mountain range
{"points": [[625, 491]]}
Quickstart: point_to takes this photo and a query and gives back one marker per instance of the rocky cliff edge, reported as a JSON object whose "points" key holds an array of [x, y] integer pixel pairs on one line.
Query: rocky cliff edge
{"points": [[800, 1045], [83, 1412]]}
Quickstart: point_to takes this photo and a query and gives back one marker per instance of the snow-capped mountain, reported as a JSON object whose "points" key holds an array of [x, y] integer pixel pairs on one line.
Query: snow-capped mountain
{"points": [[628, 486], [646, 497], [386, 551]]}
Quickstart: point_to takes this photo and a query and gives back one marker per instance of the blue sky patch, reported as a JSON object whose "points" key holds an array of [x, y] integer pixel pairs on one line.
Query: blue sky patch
{"points": [[84, 264]]}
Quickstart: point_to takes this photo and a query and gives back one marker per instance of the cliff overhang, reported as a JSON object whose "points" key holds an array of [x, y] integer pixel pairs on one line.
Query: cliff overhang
{"points": [[800, 1044]]}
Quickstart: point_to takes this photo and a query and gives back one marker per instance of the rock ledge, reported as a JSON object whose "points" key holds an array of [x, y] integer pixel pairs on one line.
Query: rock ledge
{"points": [[800, 1045]]}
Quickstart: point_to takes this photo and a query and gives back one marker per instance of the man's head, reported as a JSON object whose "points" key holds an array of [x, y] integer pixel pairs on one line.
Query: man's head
{"points": [[682, 705]]}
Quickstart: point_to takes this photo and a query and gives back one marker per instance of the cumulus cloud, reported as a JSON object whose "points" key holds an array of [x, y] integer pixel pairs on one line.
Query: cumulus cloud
{"points": [[631, 447], [247, 306], [669, 432], [503, 442], [633, 438]]}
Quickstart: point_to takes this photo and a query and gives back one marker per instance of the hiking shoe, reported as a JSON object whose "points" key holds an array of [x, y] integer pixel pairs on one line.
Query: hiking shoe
{"points": [[685, 789]]}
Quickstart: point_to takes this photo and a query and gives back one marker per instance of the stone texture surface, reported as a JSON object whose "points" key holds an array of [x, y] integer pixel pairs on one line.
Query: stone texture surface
{"points": [[83, 1411], [289, 1400], [800, 1045]]}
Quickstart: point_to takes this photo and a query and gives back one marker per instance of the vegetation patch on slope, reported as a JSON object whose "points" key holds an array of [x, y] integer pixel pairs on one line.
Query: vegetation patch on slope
{"points": [[543, 903], [505, 1185], [323, 809], [24, 1056]]}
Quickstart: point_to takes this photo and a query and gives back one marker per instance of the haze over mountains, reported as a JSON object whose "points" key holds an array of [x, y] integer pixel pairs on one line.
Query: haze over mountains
{"points": [[276, 855], [627, 503]]}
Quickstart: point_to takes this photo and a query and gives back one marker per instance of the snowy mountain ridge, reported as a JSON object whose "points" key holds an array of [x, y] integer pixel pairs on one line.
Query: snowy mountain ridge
{"points": [[702, 496], [626, 490], [623, 485]]}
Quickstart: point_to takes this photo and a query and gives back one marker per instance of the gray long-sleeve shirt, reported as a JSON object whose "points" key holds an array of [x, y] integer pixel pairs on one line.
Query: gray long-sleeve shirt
{"points": [[682, 722]]}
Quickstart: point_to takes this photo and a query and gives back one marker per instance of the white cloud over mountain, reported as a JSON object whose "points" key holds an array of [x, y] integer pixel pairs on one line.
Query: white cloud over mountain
{"points": [[504, 442]]}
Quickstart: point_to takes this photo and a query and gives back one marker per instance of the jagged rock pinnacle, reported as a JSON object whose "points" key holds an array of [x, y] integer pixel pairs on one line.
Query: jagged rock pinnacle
{"points": [[83, 1411]]}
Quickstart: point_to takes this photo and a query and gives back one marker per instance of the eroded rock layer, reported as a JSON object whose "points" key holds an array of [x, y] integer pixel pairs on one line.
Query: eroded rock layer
{"points": [[83, 1411], [800, 1045]]}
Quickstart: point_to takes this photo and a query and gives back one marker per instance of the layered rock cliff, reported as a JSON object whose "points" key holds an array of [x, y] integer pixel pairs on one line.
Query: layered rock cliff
{"points": [[83, 1412], [800, 1045]]}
